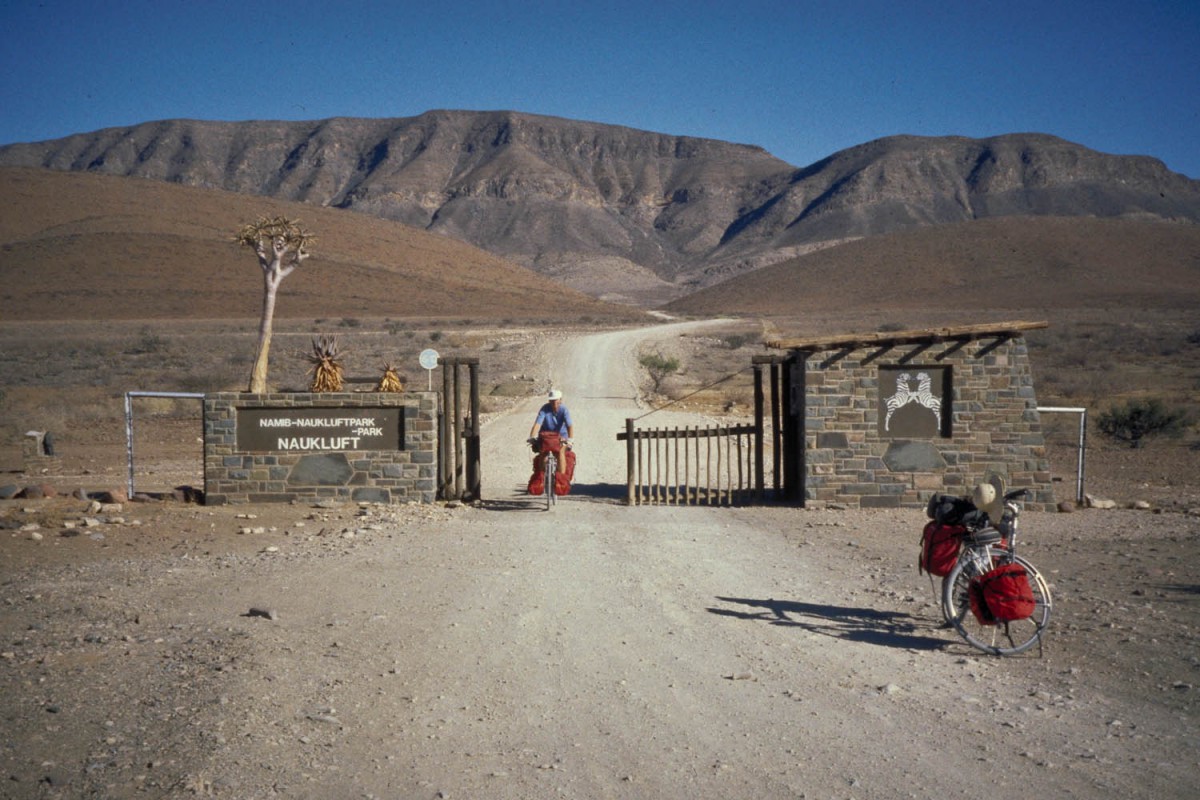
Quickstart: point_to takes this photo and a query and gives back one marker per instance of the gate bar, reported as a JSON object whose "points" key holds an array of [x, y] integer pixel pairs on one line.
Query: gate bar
{"points": [[129, 424]]}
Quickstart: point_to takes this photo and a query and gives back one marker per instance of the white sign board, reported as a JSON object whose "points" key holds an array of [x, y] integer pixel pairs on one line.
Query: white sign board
{"points": [[429, 360]]}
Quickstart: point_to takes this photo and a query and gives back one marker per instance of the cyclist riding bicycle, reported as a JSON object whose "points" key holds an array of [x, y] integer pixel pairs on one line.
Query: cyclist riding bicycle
{"points": [[553, 417]]}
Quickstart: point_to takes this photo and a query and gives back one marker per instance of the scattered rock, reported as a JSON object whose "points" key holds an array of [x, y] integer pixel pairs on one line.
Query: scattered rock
{"points": [[1100, 503], [1067, 506], [265, 613]]}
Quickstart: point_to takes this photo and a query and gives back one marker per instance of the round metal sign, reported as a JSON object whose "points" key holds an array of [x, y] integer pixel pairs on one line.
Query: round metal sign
{"points": [[428, 359]]}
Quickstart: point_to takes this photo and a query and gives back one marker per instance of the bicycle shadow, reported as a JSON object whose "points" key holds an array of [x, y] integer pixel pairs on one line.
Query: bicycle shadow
{"points": [[519, 499], [867, 625]]}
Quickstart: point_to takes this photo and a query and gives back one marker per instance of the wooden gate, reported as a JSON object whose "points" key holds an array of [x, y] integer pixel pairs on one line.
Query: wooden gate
{"points": [[690, 466], [721, 464], [458, 432]]}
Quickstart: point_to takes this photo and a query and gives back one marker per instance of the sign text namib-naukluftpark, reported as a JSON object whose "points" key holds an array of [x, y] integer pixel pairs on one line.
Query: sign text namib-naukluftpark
{"points": [[291, 430]]}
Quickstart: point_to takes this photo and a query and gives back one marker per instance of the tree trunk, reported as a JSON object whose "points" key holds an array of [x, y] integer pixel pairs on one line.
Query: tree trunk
{"points": [[258, 377]]}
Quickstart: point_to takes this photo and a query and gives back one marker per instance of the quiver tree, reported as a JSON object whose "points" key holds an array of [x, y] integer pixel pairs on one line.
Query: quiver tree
{"points": [[280, 244]]}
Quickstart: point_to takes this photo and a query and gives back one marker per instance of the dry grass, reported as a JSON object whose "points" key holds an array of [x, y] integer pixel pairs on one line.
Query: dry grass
{"points": [[977, 271]]}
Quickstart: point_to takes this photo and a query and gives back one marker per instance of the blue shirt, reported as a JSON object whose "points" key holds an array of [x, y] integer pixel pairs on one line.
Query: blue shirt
{"points": [[550, 420]]}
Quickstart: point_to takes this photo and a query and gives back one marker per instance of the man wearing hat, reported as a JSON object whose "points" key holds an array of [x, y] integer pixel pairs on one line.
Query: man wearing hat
{"points": [[554, 417]]}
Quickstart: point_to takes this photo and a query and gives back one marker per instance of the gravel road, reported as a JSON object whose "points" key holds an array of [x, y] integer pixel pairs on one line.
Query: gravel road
{"points": [[592, 651]]}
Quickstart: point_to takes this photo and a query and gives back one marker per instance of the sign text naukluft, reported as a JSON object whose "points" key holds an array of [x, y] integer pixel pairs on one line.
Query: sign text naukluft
{"points": [[318, 429]]}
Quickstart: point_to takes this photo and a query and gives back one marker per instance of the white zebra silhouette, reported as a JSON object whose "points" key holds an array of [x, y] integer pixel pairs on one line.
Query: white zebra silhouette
{"points": [[903, 396]]}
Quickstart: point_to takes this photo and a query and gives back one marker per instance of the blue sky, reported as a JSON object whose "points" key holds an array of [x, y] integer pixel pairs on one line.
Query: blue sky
{"points": [[801, 79]]}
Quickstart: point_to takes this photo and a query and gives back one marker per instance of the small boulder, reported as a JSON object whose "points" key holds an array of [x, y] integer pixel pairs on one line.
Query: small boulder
{"points": [[1099, 502]]}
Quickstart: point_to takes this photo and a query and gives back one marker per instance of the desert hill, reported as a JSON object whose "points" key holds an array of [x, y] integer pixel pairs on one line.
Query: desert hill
{"points": [[984, 268], [88, 246], [622, 212]]}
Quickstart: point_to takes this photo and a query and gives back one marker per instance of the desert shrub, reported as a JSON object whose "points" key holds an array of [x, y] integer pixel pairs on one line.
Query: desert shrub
{"points": [[735, 341], [658, 367], [1136, 419], [435, 336]]}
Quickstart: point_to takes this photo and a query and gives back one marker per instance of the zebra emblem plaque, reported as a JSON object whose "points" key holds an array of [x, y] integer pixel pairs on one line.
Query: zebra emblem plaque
{"points": [[914, 402]]}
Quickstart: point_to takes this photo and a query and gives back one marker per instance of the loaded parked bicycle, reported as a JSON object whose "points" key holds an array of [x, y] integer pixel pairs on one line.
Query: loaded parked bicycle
{"points": [[995, 599]]}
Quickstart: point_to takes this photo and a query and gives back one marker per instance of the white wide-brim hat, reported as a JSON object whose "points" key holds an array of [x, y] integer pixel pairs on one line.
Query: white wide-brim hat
{"points": [[555, 394], [988, 500]]}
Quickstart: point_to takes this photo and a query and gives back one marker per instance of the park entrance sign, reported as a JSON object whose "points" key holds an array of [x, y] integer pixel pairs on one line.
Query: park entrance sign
{"points": [[287, 430], [378, 447]]}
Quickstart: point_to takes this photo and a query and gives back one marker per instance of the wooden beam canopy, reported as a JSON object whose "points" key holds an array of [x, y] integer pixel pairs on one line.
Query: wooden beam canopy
{"points": [[925, 336]]}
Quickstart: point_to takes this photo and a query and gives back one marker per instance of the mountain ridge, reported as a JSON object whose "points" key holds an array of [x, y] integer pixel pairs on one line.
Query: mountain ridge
{"points": [[594, 203]]}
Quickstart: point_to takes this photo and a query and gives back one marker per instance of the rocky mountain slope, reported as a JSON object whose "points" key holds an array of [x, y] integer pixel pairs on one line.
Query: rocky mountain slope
{"points": [[603, 207]]}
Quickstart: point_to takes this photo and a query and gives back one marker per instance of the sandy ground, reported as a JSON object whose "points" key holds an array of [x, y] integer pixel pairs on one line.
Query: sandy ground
{"points": [[592, 651]]}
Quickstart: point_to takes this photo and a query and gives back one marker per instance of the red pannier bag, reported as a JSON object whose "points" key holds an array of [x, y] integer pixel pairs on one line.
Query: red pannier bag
{"points": [[1002, 594], [549, 441], [563, 480], [939, 548]]}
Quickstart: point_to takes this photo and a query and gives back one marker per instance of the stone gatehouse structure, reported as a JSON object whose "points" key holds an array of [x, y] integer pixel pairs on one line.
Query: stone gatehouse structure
{"points": [[279, 447], [887, 419]]}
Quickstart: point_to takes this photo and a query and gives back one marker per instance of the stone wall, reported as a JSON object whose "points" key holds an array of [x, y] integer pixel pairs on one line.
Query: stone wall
{"points": [[403, 473], [992, 427]]}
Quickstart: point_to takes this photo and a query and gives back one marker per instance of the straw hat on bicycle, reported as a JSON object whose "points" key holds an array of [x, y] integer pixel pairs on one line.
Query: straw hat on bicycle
{"points": [[989, 501]]}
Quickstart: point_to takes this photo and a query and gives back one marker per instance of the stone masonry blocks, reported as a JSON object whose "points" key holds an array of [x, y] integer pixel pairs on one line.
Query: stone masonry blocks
{"points": [[383, 476], [995, 429]]}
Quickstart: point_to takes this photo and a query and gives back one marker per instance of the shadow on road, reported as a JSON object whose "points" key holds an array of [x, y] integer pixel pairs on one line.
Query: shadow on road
{"points": [[885, 628], [599, 491], [519, 500]]}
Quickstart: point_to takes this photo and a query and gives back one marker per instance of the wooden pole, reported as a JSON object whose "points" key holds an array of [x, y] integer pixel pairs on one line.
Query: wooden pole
{"points": [[630, 444]]}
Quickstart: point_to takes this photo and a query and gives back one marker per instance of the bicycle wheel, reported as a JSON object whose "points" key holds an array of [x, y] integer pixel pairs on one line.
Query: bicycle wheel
{"points": [[551, 471], [1002, 638], [983, 558]]}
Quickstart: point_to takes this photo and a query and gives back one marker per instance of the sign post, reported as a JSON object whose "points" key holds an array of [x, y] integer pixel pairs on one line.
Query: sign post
{"points": [[429, 360]]}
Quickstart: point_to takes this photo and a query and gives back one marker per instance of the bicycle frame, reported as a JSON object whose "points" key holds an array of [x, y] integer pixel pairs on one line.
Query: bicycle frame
{"points": [[551, 468]]}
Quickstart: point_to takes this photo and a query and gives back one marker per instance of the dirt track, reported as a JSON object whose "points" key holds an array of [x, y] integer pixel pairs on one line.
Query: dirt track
{"points": [[593, 651]]}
